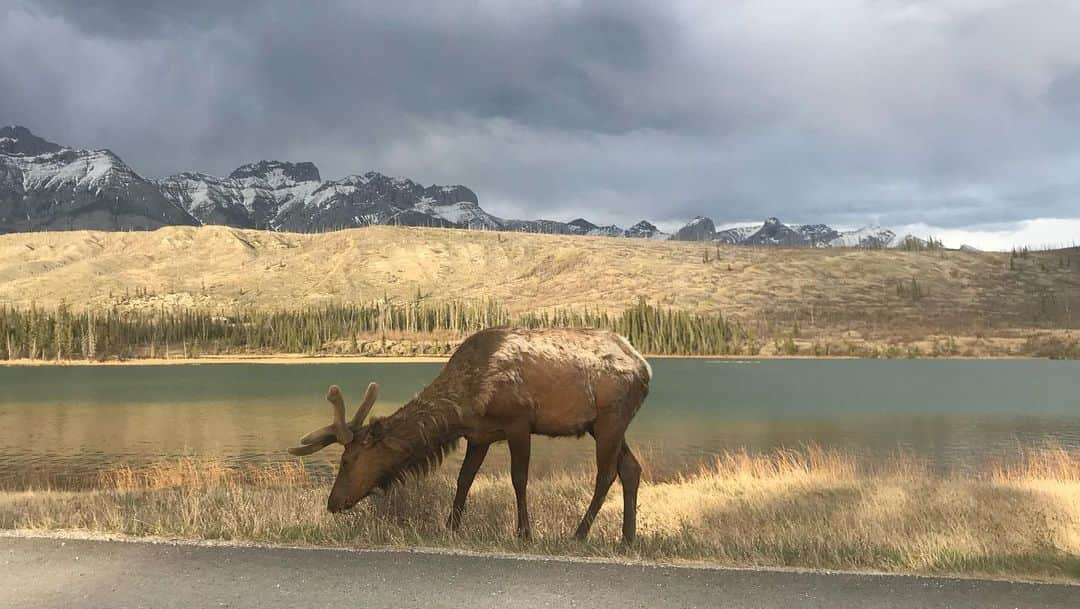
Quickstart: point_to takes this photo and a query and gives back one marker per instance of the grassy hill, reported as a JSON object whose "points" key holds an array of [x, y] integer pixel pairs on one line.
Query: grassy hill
{"points": [[988, 301]]}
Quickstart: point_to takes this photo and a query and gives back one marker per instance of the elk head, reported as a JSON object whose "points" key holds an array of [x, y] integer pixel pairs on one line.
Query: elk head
{"points": [[362, 461]]}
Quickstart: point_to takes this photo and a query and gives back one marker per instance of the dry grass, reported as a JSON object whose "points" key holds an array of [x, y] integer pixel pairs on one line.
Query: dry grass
{"points": [[809, 508], [840, 298]]}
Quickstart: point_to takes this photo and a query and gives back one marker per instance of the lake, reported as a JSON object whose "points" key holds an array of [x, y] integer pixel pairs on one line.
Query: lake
{"points": [[72, 421]]}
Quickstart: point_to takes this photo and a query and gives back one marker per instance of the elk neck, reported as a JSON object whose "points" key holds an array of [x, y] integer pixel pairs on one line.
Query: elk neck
{"points": [[419, 436]]}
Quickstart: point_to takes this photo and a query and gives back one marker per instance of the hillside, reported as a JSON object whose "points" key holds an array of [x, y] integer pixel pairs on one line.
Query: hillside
{"points": [[886, 295]]}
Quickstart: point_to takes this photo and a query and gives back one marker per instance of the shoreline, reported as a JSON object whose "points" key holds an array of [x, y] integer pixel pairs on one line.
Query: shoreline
{"points": [[290, 359]]}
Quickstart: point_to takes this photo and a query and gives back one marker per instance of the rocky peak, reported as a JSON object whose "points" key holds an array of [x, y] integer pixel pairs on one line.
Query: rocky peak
{"points": [[278, 173], [817, 234], [645, 230], [698, 229], [582, 224], [19, 140], [775, 232], [449, 195]]}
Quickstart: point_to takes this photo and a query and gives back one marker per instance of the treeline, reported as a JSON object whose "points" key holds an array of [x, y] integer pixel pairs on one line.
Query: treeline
{"points": [[656, 330], [63, 333]]}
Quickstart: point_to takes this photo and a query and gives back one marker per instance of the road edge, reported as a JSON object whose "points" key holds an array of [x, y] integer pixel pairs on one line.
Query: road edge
{"points": [[83, 535]]}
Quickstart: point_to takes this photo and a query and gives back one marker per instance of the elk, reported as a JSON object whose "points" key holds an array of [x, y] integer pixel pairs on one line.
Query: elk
{"points": [[500, 384]]}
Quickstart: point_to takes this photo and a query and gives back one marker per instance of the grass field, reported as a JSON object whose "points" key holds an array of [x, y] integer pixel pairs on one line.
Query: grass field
{"points": [[808, 508], [827, 301]]}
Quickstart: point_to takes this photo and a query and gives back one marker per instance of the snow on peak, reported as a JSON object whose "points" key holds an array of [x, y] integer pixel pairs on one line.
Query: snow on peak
{"points": [[84, 170], [869, 236]]}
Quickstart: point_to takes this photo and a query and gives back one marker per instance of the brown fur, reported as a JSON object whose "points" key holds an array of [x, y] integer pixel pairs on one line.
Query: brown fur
{"points": [[506, 384]]}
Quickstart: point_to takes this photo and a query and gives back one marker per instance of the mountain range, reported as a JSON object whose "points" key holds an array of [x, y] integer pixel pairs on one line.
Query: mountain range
{"points": [[776, 233], [45, 186]]}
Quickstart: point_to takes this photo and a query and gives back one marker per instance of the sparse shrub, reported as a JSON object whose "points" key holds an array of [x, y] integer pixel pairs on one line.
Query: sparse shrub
{"points": [[1053, 347], [945, 347], [789, 347], [911, 290]]}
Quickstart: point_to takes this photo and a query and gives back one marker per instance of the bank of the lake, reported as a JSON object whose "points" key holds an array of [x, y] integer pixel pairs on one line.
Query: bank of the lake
{"points": [[278, 359], [811, 509], [300, 359]]}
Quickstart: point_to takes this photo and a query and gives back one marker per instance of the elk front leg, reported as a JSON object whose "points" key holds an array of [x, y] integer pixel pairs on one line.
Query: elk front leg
{"points": [[474, 457], [519, 442]]}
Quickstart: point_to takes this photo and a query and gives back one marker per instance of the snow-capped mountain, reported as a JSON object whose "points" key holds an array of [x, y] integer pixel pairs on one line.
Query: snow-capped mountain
{"points": [[292, 197], [734, 235], [698, 229], [871, 237], [775, 233], [44, 186], [646, 230], [581, 226], [214, 200], [47, 186]]}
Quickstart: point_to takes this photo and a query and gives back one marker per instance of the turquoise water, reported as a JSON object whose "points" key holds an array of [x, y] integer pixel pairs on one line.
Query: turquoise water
{"points": [[74, 420]]}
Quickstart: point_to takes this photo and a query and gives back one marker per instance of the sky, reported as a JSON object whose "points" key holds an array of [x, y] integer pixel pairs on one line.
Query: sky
{"points": [[958, 118]]}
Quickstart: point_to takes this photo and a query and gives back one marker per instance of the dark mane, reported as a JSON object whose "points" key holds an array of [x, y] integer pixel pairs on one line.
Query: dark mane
{"points": [[422, 433], [418, 464]]}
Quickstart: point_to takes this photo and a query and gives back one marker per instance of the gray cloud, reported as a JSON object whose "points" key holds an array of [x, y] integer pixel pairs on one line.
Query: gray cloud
{"points": [[848, 111]]}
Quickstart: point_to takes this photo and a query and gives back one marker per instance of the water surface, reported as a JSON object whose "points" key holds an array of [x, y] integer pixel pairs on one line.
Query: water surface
{"points": [[76, 420]]}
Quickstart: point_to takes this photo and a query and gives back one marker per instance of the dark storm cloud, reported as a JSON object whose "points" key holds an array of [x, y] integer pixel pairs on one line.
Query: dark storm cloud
{"points": [[141, 18], [950, 113]]}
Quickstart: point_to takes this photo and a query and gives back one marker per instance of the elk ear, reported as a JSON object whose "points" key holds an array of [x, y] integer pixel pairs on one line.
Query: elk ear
{"points": [[377, 431]]}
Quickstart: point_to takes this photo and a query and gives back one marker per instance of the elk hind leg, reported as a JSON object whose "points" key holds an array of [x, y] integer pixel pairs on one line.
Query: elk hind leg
{"points": [[629, 478], [608, 447]]}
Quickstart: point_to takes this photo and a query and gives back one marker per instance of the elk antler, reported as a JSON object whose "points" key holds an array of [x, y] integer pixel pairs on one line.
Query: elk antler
{"points": [[338, 431], [341, 430]]}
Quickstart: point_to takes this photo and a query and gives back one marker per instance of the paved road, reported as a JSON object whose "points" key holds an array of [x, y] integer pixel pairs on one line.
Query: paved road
{"points": [[82, 574]]}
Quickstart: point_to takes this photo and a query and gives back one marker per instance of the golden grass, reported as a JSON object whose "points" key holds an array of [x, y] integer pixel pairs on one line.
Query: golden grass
{"points": [[973, 303], [810, 508]]}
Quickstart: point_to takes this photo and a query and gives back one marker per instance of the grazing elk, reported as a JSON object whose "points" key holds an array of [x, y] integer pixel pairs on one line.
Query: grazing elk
{"points": [[500, 384]]}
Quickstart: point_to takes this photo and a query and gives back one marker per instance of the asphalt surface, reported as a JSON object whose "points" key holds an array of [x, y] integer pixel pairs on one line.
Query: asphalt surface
{"points": [[78, 574]]}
